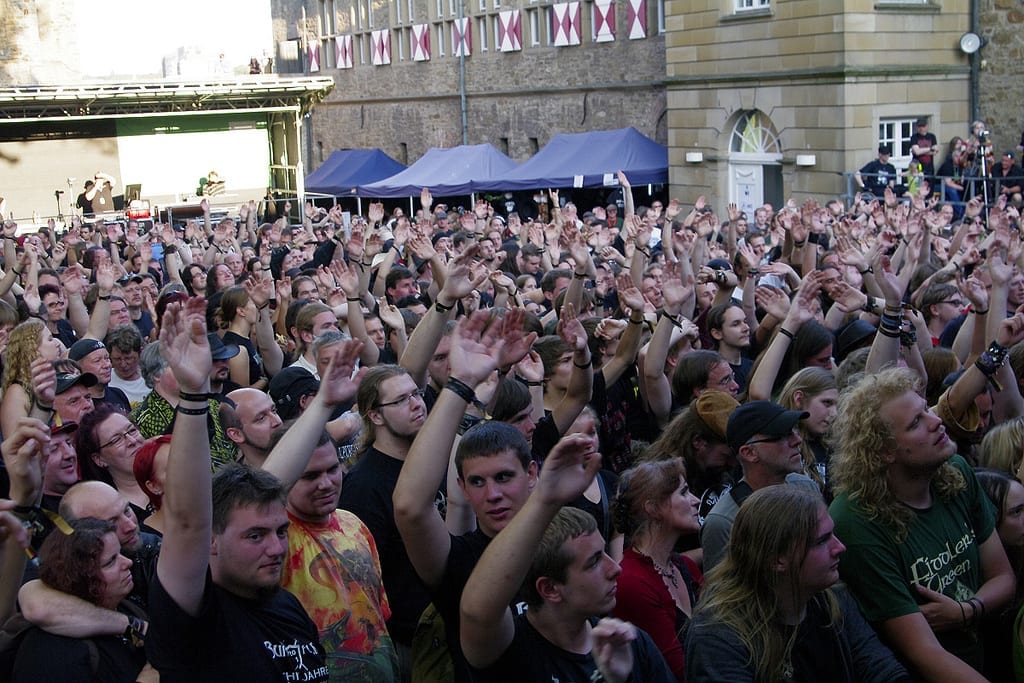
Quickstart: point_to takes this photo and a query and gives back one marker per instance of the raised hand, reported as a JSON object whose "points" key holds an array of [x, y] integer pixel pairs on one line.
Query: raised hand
{"points": [[461, 279], [183, 344], [630, 295], [568, 470], [773, 301], [44, 382], [338, 384], [375, 212], [390, 315], [515, 345], [426, 200], [259, 289], [475, 348], [23, 457], [570, 329], [847, 298]]}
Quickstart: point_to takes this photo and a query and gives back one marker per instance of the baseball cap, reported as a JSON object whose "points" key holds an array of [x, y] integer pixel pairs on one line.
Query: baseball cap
{"points": [[63, 428], [761, 417], [290, 385], [1008, 154], [885, 149], [441, 214], [83, 347], [219, 350], [130, 278], [714, 408], [66, 380]]}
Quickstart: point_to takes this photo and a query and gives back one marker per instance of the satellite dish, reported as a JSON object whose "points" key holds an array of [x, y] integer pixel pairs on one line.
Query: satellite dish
{"points": [[970, 43]]}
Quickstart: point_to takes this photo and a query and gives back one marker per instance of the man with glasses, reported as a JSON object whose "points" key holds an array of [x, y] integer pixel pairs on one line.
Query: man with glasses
{"points": [[940, 305], [764, 436], [393, 412]]}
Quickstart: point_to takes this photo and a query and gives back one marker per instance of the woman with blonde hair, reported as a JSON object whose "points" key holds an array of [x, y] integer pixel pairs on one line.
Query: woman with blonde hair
{"points": [[770, 610], [1003, 447], [814, 390], [29, 342], [658, 587]]}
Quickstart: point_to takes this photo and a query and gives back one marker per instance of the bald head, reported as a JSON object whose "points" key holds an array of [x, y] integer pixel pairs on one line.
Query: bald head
{"points": [[98, 500]]}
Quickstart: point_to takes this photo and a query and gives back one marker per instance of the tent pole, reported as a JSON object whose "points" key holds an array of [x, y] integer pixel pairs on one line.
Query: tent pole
{"points": [[359, 205]]}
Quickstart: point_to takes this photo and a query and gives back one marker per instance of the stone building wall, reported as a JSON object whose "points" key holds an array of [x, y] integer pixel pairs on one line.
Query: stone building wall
{"points": [[38, 42], [1001, 77], [516, 101]]}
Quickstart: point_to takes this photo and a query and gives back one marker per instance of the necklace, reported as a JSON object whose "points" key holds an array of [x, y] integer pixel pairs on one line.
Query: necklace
{"points": [[664, 572]]}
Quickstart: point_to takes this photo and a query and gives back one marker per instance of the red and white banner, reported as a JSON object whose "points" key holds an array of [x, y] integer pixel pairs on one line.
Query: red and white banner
{"points": [[313, 56], [380, 45], [604, 21], [636, 19], [566, 22], [462, 38], [510, 31], [421, 42], [343, 51]]}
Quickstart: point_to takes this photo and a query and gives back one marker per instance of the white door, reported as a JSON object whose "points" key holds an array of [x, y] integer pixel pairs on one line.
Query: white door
{"points": [[746, 186]]}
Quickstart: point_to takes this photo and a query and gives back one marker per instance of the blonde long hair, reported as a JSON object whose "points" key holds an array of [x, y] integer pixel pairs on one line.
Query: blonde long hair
{"points": [[862, 436]]}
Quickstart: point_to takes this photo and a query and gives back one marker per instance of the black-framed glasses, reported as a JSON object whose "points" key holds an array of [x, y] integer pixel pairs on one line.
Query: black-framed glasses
{"points": [[403, 399], [118, 439], [954, 302]]}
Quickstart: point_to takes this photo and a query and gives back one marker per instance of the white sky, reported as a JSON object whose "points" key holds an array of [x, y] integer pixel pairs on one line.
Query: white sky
{"points": [[129, 37]]}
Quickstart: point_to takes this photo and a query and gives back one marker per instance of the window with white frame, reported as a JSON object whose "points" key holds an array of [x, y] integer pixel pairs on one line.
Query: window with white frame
{"points": [[356, 12], [534, 19], [440, 39], [897, 132], [482, 23], [451, 7], [398, 11], [483, 5], [411, 6], [747, 5], [440, 8], [661, 17], [362, 39], [369, 13], [327, 17]]}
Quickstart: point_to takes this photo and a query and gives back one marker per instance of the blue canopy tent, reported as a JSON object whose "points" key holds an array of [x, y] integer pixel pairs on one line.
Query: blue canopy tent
{"points": [[347, 169], [589, 160], [447, 172]]}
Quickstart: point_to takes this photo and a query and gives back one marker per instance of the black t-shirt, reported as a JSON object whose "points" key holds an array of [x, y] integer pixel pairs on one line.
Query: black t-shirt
{"points": [[600, 511], [877, 176], [116, 398], [43, 656], [927, 160], [531, 657], [367, 493], [233, 639], [622, 417], [463, 556], [545, 436], [145, 325], [741, 372]]}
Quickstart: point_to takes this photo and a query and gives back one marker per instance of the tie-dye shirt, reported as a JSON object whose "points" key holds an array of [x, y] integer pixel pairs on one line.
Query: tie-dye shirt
{"points": [[334, 571]]}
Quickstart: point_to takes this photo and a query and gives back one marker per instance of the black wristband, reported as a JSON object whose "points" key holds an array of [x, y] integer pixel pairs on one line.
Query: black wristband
{"points": [[786, 333], [186, 396], [441, 308], [461, 389], [529, 383], [104, 298], [584, 366], [353, 298], [579, 276], [193, 411]]}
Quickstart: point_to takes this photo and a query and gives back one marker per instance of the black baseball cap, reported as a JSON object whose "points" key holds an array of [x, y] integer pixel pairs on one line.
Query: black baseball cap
{"points": [[760, 417], [65, 381], [288, 387], [83, 347]]}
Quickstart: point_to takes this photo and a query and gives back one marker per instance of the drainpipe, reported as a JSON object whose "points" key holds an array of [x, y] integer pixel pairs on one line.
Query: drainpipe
{"points": [[974, 100]]}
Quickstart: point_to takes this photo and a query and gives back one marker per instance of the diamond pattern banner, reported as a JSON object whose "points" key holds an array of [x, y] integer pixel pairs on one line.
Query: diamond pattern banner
{"points": [[566, 22], [343, 51], [636, 19], [462, 38], [510, 31], [604, 21], [313, 56], [421, 42], [380, 44]]}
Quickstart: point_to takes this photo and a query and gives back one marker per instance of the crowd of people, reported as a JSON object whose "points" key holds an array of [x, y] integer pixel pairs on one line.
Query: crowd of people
{"points": [[602, 443]]}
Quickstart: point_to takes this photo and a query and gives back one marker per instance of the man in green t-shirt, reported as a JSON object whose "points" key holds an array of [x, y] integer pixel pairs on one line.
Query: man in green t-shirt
{"points": [[922, 559]]}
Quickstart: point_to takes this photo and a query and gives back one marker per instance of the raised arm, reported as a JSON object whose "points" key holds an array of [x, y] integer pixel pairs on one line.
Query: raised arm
{"points": [[23, 457], [99, 321], [629, 345], [487, 627], [187, 505], [801, 311], [473, 357], [581, 381], [260, 290], [290, 456]]}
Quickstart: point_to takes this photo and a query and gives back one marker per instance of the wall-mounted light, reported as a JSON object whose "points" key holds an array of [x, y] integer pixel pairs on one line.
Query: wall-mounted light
{"points": [[694, 157], [806, 159]]}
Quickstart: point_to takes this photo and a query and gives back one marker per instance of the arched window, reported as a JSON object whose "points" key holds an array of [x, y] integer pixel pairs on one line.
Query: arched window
{"points": [[754, 134]]}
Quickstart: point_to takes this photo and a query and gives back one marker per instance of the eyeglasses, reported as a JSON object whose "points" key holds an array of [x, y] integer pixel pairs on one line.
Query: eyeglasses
{"points": [[403, 400], [118, 439], [772, 439], [955, 302]]}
